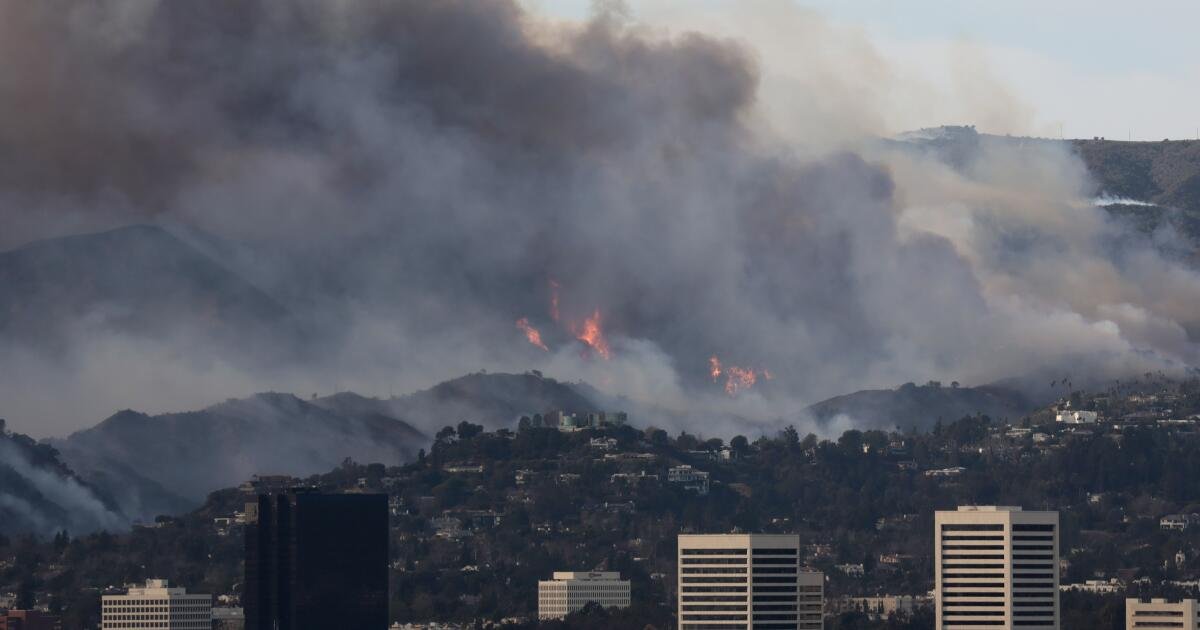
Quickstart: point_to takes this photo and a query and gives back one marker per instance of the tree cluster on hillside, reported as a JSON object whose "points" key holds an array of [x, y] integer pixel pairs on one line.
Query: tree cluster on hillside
{"points": [[483, 515]]}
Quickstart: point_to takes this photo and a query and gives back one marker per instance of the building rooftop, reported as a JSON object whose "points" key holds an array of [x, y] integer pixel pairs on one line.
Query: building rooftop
{"points": [[988, 508], [155, 588], [586, 575]]}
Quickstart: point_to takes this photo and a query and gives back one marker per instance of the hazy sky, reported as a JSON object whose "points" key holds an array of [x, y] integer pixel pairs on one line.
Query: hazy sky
{"points": [[1098, 68]]}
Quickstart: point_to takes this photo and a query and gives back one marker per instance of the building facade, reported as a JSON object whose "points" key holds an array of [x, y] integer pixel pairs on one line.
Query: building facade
{"points": [[316, 561], [1161, 613], [689, 478], [728, 581], [29, 620], [996, 567], [569, 591], [156, 606]]}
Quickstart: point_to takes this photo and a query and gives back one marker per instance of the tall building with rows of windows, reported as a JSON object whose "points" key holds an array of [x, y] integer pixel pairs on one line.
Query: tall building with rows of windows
{"points": [[156, 606], [745, 581], [997, 567], [1162, 613], [570, 591]]}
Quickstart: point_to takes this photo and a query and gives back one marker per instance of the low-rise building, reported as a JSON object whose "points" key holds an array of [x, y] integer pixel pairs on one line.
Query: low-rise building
{"points": [[853, 570], [1162, 613], [883, 606], [953, 471], [228, 618], [1077, 417], [156, 605], [690, 478], [570, 591], [1178, 522], [1098, 587], [29, 620]]}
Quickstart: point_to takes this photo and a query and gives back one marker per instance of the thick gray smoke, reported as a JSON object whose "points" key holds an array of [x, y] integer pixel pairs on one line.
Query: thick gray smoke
{"points": [[37, 496], [412, 177]]}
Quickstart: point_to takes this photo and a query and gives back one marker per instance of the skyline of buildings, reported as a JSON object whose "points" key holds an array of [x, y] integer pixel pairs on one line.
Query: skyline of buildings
{"points": [[995, 567]]}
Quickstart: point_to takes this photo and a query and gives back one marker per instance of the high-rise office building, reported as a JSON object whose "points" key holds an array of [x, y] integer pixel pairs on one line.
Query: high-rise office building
{"points": [[156, 605], [745, 581], [997, 567], [1183, 614], [570, 591], [316, 561]]}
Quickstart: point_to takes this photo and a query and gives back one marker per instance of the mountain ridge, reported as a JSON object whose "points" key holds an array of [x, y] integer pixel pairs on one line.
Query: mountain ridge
{"points": [[164, 463]]}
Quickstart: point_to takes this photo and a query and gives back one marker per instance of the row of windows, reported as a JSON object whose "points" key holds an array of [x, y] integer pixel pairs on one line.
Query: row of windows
{"points": [[996, 527]]}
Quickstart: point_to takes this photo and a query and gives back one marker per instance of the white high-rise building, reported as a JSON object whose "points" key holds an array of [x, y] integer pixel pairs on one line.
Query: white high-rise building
{"points": [[997, 567], [748, 581], [1161, 613], [570, 591], [156, 606]]}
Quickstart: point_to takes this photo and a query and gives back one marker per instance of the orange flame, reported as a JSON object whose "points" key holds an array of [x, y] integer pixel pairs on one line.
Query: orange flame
{"points": [[736, 378], [739, 379], [592, 334], [714, 367], [531, 333]]}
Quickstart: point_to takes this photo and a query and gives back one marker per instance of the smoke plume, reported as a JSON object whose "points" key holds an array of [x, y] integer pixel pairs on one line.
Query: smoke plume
{"points": [[412, 178]]}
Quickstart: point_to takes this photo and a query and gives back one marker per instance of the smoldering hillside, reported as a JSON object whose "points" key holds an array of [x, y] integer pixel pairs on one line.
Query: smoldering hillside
{"points": [[407, 180]]}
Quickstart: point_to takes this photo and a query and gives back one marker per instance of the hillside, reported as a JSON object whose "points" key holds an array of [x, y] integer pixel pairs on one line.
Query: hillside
{"points": [[1147, 184], [492, 400], [166, 464], [1164, 173], [472, 544], [921, 407], [40, 494]]}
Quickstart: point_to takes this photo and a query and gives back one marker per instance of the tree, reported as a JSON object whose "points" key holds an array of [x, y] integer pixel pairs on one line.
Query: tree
{"points": [[466, 430], [445, 435], [790, 436], [739, 444]]}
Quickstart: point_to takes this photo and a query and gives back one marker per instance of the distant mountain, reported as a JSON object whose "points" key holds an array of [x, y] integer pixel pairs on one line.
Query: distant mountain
{"points": [[922, 406], [167, 464], [138, 279], [1148, 184], [40, 494], [493, 400]]}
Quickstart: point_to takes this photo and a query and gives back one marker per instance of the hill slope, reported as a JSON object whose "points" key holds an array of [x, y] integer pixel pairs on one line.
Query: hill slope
{"points": [[1147, 184], [493, 400], [1164, 173], [167, 464], [921, 406], [40, 494]]}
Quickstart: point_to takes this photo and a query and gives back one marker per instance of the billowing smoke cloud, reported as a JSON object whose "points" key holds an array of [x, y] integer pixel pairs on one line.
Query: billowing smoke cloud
{"points": [[413, 177], [39, 496]]}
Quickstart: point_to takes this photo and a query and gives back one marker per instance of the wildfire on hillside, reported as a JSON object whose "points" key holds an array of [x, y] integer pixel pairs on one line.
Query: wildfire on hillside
{"points": [[736, 378], [532, 334], [592, 334]]}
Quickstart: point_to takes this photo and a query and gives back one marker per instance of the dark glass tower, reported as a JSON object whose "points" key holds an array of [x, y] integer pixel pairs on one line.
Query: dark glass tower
{"points": [[316, 561]]}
